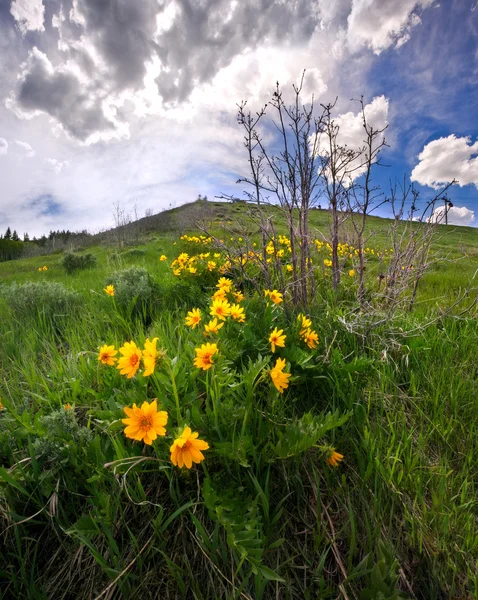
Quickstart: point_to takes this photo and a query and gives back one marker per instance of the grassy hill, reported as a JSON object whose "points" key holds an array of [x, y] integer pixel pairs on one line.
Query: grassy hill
{"points": [[87, 512]]}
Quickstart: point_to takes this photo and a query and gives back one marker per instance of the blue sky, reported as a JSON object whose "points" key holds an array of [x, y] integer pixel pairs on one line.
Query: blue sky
{"points": [[112, 100]]}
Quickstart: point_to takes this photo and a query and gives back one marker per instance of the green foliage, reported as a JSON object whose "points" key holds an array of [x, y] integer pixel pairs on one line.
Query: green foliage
{"points": [[263, 516], [305, 432], [380, 577], [62, 435], [133, 253], [77, 262], [136, 293]]}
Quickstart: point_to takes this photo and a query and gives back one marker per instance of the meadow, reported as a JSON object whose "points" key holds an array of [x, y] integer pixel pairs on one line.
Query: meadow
{"points": [[329, 462]]}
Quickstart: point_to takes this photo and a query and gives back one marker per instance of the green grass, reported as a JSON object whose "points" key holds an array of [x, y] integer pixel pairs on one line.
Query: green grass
{"points": [[81, 512]]}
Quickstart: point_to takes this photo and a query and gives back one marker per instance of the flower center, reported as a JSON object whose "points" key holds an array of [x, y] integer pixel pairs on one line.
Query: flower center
{"points": [[145, 423], [133, 359], [207, 358]]}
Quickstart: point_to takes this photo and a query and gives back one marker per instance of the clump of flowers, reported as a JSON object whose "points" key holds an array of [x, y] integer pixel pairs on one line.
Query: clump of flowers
{"points": [[145, 422], [110, 290], [279, 378], [277, 338], [186, 449], [308, 335], [204, 356]]}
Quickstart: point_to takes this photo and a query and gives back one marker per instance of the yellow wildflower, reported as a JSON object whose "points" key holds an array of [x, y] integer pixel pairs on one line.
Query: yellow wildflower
{"points": [[311, 338], [194, 317], [277, 338], [220, 308], [129, 362], [186, 449], [110, 290], [107, 355], [352, 273], [221, 294], [275, 296], [212, 327], [334, 459], [204, 355], [145, 423], [237, 313], [305, 323], [150, 356], [224, 284], [163, 257], [279, 378], [239, 296]]}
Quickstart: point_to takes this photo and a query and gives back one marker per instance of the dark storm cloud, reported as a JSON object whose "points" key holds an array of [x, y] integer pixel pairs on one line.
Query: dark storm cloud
{"points": [[122, 32], [99, 48], [61, 95]]}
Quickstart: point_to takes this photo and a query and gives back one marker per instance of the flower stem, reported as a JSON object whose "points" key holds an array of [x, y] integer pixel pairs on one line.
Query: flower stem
{"points": [[175, 393]]}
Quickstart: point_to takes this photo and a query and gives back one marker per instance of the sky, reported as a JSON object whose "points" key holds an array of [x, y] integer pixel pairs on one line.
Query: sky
{"points": [[106, 101]]}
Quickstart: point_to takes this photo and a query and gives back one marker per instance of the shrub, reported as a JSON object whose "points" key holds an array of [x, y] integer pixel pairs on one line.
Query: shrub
{"points": [[133, 253], [50, 299], [77, 262], [135, 291]]}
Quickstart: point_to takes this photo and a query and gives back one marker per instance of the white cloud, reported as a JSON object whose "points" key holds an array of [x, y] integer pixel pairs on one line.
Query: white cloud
{"points": [[29, 14], [380, 24], [153, 87], [446, 159], [27, 147], [457, 215], [3, 146], [352, 134], [56, 165]]}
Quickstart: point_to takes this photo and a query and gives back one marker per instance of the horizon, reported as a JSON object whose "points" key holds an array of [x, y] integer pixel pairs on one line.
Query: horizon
{"points": [[136, 103]]}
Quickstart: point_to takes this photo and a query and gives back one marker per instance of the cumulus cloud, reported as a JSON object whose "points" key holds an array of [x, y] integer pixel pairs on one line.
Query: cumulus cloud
{"points": [[446, 159], [3, 146], [380, 24], [29, 152], [457, 215], [29, 15], [352, 134]]}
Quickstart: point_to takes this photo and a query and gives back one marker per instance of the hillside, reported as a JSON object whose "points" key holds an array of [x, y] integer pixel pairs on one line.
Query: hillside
{"points": [[335, 459]]}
